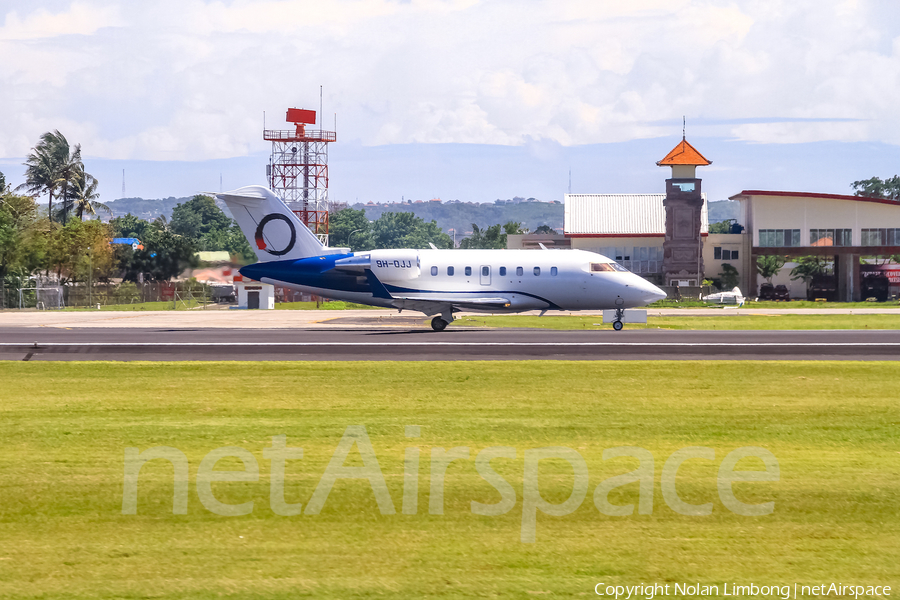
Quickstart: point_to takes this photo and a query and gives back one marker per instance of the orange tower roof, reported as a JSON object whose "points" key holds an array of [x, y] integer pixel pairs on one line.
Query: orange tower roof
{"points": [[684, 154]]}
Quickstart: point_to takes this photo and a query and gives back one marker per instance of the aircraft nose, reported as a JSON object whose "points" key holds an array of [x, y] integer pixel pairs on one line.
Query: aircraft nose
{"points": [[646, 292], [653, 293]]}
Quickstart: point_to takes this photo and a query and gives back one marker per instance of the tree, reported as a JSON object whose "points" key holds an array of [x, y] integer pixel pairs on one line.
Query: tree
{"points": [[199, 218], [51, 167], [350, 228], [22, 238], [722, 226], [406, 230], [2, 183], [202, 221], [545, 229], [769, 266], [809, 267], [515, 228], [485, 238], [729, 277], [80, 250], [875, 187], [129, 226], [165, 254], [81, 196]]}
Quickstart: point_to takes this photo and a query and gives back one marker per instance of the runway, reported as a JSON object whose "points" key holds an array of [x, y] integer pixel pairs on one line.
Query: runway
{"points": [[417, 343]]}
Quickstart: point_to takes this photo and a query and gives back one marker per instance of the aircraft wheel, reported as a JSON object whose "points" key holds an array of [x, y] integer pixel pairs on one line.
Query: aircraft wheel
{"points": [[438, 324], [617, 325]]}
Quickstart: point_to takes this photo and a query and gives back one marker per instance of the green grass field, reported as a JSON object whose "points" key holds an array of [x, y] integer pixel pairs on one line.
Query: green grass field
{"points": [[833, 427], [672, 303], [725, 323], [187, 304], [330, 305]]}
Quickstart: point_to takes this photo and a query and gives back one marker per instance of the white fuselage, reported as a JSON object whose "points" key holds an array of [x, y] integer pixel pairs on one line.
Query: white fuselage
{"points": [[527, 279]]}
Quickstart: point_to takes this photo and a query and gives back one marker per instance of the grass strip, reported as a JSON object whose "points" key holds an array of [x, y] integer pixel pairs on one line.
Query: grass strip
{"points": [[833, 427], [718, 322]]}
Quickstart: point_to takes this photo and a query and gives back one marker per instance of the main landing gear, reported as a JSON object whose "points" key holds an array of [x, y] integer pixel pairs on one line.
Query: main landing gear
{"points": [[439, 324], [617, 324]]}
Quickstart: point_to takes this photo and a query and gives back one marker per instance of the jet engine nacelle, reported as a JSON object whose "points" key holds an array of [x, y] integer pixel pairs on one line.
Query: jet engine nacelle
{"points": [[395, 265]]}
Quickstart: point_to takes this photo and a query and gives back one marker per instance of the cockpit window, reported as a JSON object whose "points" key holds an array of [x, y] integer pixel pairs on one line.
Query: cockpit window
{"points": [[610, 266], [598, 267]]}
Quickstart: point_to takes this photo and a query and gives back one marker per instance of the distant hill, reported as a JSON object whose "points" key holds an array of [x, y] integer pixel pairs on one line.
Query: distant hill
{"points": [[722, 210], [448, 215], [460, 215], [150, 209]]}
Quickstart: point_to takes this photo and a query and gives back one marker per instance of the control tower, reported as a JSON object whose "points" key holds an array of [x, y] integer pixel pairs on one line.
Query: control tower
{"points": [[298, 169]]}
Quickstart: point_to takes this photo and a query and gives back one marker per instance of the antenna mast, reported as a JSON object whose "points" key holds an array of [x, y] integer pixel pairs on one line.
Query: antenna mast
{"points": [[298, 169]]}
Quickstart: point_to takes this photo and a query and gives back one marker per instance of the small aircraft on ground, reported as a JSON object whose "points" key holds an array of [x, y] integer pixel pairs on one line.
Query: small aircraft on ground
{"points": [[735, 296], [435, 282]]}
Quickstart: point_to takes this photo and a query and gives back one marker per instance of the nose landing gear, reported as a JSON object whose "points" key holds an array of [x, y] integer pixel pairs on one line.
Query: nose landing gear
{"points": [[618, 324]]}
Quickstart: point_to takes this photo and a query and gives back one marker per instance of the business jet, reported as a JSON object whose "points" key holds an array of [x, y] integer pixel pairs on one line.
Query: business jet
{"points": [[435, 282]]}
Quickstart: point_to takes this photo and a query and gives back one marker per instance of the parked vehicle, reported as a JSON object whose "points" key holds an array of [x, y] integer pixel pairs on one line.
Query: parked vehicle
{"points": [[875, 286], [822, 286]]}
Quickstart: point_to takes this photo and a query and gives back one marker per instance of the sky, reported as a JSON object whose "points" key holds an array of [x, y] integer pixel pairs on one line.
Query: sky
{"points": [[458, 99]]}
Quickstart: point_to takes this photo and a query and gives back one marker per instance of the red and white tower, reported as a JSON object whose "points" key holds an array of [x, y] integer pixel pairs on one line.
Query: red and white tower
{"points": [[298, 169]]}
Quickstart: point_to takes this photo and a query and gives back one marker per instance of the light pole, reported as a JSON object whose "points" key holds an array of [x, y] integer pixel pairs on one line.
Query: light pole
{"points": [[90, 277], [350, 237]]}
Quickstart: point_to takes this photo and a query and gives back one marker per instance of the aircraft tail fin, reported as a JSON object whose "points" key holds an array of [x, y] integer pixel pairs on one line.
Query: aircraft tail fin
{"points": [[274, 232]]}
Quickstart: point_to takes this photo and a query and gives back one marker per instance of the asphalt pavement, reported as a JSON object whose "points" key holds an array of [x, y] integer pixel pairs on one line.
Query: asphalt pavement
{"points": [[175, 341]]}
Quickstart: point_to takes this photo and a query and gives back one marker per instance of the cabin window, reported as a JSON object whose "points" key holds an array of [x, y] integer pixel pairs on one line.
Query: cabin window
{"points": [[520, 271], [450, 271], [537, 271], [554, 271], [468, 271], [599, 267], [433, 271], [485, 271], [502, 271]]}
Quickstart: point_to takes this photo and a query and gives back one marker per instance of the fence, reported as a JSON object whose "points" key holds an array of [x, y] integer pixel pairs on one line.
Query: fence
{"points": [[27, 295]]}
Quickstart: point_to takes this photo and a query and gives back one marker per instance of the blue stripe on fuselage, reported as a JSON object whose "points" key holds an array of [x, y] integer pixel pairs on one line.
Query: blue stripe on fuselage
{"points": [[315, 271], [319, 272]]}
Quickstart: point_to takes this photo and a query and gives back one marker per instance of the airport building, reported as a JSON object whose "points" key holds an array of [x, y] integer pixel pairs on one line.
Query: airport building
{"points": [[665, 237], [840, 228]]}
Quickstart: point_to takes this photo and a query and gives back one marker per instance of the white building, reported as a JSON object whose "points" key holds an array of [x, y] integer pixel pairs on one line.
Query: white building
{"points": [[254, 294], [842, 228]]}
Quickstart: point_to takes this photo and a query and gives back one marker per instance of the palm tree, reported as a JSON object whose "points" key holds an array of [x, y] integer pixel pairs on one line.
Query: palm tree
{"points": [[69, 170], [769, 265], [82, 191], [50, 167]]}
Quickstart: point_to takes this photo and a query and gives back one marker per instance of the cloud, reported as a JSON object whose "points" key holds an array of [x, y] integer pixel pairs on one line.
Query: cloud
{"points": [[78, 19], [189, 80]]}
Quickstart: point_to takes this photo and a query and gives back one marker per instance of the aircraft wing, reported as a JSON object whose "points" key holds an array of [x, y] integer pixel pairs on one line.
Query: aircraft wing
{"points": [[431, 305], [456, 300]]}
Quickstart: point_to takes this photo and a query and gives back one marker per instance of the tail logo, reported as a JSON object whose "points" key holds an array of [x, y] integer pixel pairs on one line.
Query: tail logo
{"points": [[260, 241]]}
